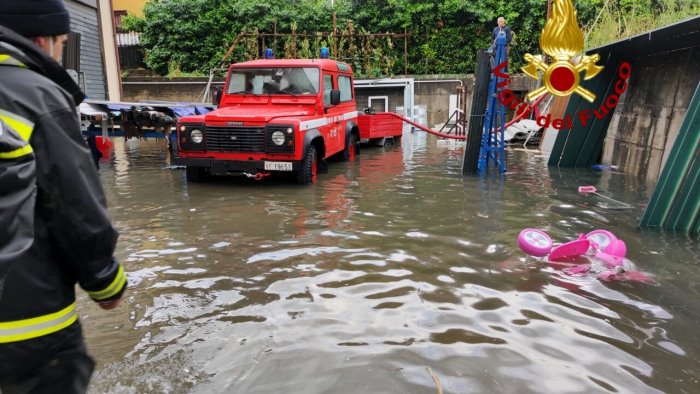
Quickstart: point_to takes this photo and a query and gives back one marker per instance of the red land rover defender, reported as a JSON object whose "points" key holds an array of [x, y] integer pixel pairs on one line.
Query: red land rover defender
{"points": [[274, 116]]}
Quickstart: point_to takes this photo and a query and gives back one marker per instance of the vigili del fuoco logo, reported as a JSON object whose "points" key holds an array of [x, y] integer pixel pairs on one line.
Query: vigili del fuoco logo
{"points": [[562, 41]]}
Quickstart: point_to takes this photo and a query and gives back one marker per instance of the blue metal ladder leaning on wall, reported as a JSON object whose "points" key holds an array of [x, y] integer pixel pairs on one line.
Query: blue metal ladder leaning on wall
{"points": [[493, 137]]}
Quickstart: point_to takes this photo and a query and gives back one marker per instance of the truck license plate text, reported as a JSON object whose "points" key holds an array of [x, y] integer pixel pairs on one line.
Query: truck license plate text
{"points": [[278, 166]]}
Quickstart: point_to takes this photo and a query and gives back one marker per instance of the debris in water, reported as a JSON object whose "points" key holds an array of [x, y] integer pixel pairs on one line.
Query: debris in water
{"points": [[435, 379]]}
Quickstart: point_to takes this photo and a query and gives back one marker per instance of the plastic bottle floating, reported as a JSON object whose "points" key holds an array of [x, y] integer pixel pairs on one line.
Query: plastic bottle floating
{"points": [[603, 250]]}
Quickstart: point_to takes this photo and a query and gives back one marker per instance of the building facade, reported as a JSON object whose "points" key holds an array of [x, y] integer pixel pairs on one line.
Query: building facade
{"points": [[91, 50]]}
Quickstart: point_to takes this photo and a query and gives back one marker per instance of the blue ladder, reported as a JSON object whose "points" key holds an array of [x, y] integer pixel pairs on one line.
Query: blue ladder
{"points": [[493, 139]]}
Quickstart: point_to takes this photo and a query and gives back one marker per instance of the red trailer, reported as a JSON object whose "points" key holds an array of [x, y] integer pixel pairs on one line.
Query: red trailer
{"points": [[379, 128]]}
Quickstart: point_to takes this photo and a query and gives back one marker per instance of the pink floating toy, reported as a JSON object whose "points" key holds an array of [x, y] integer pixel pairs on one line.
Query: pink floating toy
{"points": [[600, 239], [614, 254], [570, 250], [592, 189], [617, 248], [534, 242], [603, 253]]}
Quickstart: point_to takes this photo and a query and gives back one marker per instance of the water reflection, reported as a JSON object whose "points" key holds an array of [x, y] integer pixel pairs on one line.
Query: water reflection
{"points": [[385, 267]]}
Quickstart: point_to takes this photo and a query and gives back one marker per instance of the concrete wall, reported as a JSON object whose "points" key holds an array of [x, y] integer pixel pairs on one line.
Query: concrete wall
{"points": [[645, 124], [434, 92], [138, 89]]}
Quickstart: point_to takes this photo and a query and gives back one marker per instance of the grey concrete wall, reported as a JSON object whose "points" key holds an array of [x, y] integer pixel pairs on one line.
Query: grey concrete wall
{"points": [[138, 89], [646, 123], [434, 92]]}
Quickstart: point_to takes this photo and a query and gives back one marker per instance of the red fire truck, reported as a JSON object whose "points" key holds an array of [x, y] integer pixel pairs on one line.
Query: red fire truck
{"points": [[274, 116]]}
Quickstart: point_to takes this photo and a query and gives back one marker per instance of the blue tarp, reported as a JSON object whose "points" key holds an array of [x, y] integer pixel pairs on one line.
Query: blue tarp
{"points": [[203, 110], [183, 111], [174, 108]]}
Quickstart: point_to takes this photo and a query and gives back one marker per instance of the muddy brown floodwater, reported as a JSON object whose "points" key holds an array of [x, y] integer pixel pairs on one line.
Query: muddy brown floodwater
{"points": [[387, 267]]}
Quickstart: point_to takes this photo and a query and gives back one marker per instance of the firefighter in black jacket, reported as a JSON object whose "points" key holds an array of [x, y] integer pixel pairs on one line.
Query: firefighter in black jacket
{"points": [[54, 226]]}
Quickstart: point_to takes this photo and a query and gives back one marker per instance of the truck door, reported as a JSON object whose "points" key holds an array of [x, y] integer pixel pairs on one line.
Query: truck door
{"points": [[332, 131], [346, 108]]}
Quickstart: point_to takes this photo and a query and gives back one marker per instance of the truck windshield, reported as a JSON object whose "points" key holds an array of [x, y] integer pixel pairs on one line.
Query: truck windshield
{"points": [[274, 80]]}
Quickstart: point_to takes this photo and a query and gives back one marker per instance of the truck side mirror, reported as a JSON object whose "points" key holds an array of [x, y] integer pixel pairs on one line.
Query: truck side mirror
{"points": [[335, 97], [216, 97]]}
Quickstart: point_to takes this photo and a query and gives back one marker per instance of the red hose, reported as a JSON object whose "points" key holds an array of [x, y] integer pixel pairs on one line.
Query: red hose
{"points": [[427, 130], [462, 137]]}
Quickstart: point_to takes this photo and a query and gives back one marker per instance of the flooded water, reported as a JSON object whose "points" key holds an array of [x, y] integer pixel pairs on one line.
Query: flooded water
{"points": [[389, 274]]}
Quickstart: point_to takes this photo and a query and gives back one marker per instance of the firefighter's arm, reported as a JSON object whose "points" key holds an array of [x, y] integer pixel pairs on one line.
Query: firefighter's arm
{"points": [[75, 208]]}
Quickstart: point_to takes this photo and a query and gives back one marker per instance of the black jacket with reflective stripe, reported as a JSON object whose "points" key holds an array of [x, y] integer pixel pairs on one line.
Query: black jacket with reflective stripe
{"points": [[56, 231]]}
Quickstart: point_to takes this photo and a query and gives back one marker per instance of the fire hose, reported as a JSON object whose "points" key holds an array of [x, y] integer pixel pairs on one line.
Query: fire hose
{"points": [[462, 137]]}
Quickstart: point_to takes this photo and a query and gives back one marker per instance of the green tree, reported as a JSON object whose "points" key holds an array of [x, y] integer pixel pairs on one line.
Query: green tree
{"points": [[193, 35]]}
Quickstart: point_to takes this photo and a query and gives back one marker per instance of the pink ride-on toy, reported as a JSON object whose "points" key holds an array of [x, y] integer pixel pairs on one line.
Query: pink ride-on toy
{"points": [[570, 250], [600, 239], [614, 255], [534, 242], [603, 251]]}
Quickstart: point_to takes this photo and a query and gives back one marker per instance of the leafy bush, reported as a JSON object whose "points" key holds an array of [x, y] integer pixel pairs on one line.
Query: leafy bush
{"points": [[188, 36]]}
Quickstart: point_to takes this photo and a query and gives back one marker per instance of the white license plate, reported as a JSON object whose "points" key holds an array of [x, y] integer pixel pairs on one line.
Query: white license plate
{"points": [[278, 166]]}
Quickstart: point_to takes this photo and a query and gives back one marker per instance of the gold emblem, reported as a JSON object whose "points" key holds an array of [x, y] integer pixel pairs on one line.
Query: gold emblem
{"points": [[563, 41]]}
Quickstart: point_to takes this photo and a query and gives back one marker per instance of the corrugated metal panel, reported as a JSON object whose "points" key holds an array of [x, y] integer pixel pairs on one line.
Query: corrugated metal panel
{"points": [[669, 38], [131, 58], [686, 210], [71, 52], [128, 39], [675, 204], [84, 20], [581, 145]]}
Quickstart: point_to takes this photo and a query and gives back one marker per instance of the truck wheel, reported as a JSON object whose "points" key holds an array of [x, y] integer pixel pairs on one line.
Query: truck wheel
{"points": [[350, 149], [195, 174], [309, 167]]}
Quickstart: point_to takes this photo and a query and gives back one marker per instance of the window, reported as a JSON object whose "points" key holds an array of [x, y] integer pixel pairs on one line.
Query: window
{"points": [[345, 87], [327, 87], [282, 80]]}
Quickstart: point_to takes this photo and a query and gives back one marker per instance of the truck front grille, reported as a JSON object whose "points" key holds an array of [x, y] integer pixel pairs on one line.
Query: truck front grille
{"points": [[235, 139]]}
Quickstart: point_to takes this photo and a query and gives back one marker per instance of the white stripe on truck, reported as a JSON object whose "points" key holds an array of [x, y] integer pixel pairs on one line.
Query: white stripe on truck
{"points": [[315, 123]]}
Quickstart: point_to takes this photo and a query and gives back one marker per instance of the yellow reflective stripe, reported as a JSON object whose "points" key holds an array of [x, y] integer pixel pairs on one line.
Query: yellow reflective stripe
{"points": [[7, 59], [113, 289], [21, 125], [21, 330], [25, 150]]}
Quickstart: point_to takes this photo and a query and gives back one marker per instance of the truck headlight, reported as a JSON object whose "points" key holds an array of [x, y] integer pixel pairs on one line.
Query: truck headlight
{"points": [[196, 136], [278, 137]]}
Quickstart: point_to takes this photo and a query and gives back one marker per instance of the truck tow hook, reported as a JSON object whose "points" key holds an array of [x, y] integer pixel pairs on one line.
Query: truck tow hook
{"points": [[258, 176]]}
